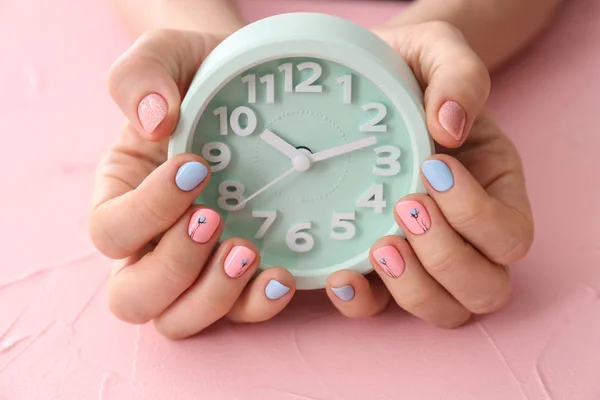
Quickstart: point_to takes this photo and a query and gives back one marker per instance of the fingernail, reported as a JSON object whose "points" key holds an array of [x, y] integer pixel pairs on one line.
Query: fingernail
{"points": [[203, 225], [438, 175], [453, 118], [190, 175], [275, 290], [152, 110], [414, 215], [390, 261], [345, 293], [238, 261]]}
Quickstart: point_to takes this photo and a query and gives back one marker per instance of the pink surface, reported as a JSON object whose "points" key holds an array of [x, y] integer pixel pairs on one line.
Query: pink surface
{"points": [[59, 341]]}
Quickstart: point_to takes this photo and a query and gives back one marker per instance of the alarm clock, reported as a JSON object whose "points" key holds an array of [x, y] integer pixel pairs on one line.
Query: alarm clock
{"points": [[314, 128]]}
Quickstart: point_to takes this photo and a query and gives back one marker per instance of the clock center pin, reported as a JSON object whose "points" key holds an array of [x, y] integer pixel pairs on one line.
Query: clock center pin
{"points": [[301, 160]]}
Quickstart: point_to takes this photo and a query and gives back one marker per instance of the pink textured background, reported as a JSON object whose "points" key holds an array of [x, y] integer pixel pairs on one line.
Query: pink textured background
{"points": [[59, 341]]}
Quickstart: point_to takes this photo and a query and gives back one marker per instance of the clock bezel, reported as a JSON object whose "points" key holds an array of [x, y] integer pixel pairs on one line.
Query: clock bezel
{"points": [[236, 55]]}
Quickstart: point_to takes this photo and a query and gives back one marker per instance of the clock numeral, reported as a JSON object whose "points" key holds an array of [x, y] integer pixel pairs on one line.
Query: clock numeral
{"points": [[235, 121], [268, 80], [269, 217], [387, 155], [298, 240], [342, 228], [230, 195], [373, 199], [309, 84], [372, 125], [218, 154], [346, 82]]}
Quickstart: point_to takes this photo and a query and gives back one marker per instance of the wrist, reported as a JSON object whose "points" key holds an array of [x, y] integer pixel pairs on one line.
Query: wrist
{"points": [[217, 17]]}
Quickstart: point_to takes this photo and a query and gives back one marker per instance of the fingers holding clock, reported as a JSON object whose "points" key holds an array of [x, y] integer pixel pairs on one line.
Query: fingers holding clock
{"points": [[126, 215], [411, 286], [146, 284], [149, 80], [455, 80], [501, 227], [476, 282], [214, 293]]}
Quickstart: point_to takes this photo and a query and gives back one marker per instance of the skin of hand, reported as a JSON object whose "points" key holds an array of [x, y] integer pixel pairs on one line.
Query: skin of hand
{"points": [[140, 217]]}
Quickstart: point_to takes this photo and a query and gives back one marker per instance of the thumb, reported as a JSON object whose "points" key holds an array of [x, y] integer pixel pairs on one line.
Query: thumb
{"points": [[149, 80], [455, 80]]}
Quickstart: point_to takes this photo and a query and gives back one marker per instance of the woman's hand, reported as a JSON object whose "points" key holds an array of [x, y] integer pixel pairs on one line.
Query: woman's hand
{"points": [[172, 267], [476, 218]]}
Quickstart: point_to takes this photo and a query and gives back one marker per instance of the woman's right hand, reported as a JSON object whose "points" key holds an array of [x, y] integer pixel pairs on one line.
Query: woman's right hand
{"points": [[170, 267]]}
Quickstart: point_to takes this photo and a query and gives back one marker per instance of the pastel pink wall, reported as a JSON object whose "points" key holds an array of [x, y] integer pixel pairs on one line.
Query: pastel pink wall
{"points": [[59, 341]]}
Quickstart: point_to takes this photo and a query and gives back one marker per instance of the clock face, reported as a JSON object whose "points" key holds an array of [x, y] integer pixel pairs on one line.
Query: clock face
{"points": [[308, 159]]}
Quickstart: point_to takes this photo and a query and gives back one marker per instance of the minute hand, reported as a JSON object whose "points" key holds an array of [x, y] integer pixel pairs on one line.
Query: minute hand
{"points": [[344, 149]]}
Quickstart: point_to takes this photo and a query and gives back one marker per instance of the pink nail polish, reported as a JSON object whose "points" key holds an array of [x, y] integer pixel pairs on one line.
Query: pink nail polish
{"points": [[203, 225], [152, 110], [238, 261], [390, 261], [414, 215], [453, 118]]}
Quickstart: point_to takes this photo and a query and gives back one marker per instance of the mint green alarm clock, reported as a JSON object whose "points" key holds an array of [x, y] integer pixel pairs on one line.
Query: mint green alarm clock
{"points": [[314, 128]]}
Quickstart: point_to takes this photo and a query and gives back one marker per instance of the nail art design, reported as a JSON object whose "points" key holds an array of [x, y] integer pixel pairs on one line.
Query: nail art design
{"points": [[414, 212], [190, 175], [238, 261], [152, 110], [414, 216], [438, 174], [390, 261], [453, 118], [203, 225], [275, 290], [344, 293]]}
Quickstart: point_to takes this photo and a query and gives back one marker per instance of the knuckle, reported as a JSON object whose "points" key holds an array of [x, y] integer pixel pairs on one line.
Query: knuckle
{"points": [[442, 29], [469, 214], [171, 331], [126, 312], [152, 212], [518, 247], [442, 262], [491, 302], [103, 239], [454, 320], [173, 269]]}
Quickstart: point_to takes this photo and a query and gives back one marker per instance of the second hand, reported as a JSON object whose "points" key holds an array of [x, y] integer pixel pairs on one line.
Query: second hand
{"points": [[273, 182]]}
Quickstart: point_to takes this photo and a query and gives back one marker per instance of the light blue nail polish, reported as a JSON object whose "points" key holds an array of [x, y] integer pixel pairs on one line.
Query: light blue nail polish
{"points": [[190, 175], [438, 174], [275, 290], [345, 293]]}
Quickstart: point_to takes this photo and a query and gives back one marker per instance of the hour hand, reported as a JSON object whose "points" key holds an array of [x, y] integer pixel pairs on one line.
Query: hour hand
{"points": [[279, 144]]}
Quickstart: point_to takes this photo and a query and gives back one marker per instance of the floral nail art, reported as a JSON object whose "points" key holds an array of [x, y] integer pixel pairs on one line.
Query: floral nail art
{"points": [[201, 220], [203, 225], [238, 261], [390, 261], [414, 212], [415, 216]]}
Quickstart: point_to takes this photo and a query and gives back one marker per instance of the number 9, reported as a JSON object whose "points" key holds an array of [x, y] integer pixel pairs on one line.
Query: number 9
{"points": [[218, 154]]}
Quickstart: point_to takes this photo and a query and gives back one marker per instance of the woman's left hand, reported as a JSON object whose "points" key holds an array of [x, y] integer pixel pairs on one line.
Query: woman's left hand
{"points": [[476, 219]]}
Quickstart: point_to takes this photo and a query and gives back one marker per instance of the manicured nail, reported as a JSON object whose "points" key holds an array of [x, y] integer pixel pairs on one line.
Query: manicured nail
{"points": [[275, 290], [414, 215], [390, 261], [152, 110], [345, 293], [238, 261], [453, 118], [203, 225], [190, 175], [438, 174]]}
